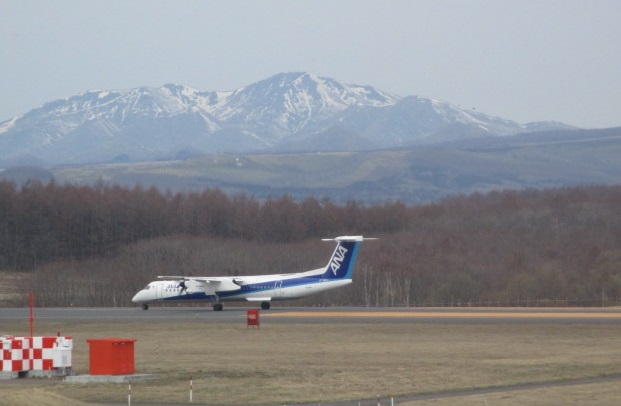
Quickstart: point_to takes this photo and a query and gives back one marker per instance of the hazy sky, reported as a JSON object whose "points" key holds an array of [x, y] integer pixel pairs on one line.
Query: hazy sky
{"points": [[525, 60]]}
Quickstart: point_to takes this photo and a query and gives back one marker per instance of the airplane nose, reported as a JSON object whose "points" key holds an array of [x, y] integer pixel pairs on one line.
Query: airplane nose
{"points": [[137, 297]]}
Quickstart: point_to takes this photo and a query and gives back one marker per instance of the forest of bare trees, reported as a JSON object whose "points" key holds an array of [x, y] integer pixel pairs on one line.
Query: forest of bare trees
{"points": [[95, 246]]}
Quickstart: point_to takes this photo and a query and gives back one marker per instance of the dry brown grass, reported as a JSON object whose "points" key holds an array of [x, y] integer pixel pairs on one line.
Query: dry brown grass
{"points": [[9, 295], [34, 396], [287, 363]]}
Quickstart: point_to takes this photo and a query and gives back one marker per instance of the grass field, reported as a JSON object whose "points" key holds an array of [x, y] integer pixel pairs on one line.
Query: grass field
{"points": [[304, 362]]}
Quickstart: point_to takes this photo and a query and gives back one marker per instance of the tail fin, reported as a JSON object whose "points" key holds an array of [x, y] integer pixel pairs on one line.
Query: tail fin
{"points": [[341, 264]]}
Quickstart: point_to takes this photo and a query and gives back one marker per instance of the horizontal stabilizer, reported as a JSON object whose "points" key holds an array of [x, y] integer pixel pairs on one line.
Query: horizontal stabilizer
{"points": [[351, 238]]}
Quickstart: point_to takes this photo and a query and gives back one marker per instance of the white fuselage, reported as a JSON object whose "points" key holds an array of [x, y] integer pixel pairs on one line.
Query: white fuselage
{"points": [[254, 288], [263, 288]]}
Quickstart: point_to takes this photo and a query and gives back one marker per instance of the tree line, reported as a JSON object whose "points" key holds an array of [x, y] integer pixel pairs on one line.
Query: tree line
{"points": [[41, 223], [533, 247]]}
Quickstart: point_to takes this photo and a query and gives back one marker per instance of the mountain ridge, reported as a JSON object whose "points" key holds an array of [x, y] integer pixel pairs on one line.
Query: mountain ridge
{"points": [[280, 113]]}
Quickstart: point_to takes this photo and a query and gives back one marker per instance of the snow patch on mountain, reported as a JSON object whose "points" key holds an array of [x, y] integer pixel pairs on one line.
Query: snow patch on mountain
{"points": [[9, 124]]}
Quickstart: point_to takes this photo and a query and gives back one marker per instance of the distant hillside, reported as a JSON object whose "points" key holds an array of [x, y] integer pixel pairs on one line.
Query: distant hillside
{"points": [[419, 174], [296, 111]]}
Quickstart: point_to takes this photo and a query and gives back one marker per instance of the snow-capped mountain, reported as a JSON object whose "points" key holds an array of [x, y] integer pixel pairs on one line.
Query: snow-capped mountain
{"points": [[289, 111]]}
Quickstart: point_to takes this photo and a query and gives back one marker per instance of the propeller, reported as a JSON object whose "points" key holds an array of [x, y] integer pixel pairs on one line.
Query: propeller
{"points": [[183, 286]]}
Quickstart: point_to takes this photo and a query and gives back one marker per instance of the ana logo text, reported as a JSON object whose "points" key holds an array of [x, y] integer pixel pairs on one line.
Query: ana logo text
{"points": [[339, 255]]}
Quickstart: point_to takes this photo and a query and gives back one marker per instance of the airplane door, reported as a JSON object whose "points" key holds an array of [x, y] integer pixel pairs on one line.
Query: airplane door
{"points": [[278, 289], [158, 291]]}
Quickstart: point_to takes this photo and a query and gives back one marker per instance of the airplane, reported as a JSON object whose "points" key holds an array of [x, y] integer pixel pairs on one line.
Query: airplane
{"points": [[261, 288]]}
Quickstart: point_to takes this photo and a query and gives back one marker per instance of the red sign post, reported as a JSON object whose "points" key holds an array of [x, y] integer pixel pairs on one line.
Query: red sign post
{"points": [[253, 318], [31, 313]]}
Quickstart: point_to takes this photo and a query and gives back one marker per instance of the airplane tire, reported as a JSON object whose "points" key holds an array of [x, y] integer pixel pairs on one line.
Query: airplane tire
{"points": [[218, 307], [265, 305], [145, 306]]}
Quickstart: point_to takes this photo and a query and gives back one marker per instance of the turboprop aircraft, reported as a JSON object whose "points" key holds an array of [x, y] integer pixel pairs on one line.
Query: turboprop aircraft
{"points": [[262, 288]]}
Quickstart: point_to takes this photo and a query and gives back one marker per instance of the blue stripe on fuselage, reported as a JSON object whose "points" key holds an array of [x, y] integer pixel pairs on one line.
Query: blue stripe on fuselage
{"points": [[266, 286], [269, 286]]}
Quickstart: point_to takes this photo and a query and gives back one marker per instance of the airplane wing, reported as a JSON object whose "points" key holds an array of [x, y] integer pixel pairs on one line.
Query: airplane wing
{"points": [[191, 278], [206, 279], [215, 283]]}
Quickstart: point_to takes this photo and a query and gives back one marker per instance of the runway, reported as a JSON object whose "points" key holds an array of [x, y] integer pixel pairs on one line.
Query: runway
{"points": [[319, 315], [158, 314]]}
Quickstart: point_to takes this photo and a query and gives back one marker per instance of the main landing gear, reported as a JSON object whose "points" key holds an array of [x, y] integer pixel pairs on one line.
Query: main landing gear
{"points": [[265, 305], [145, 306]]}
